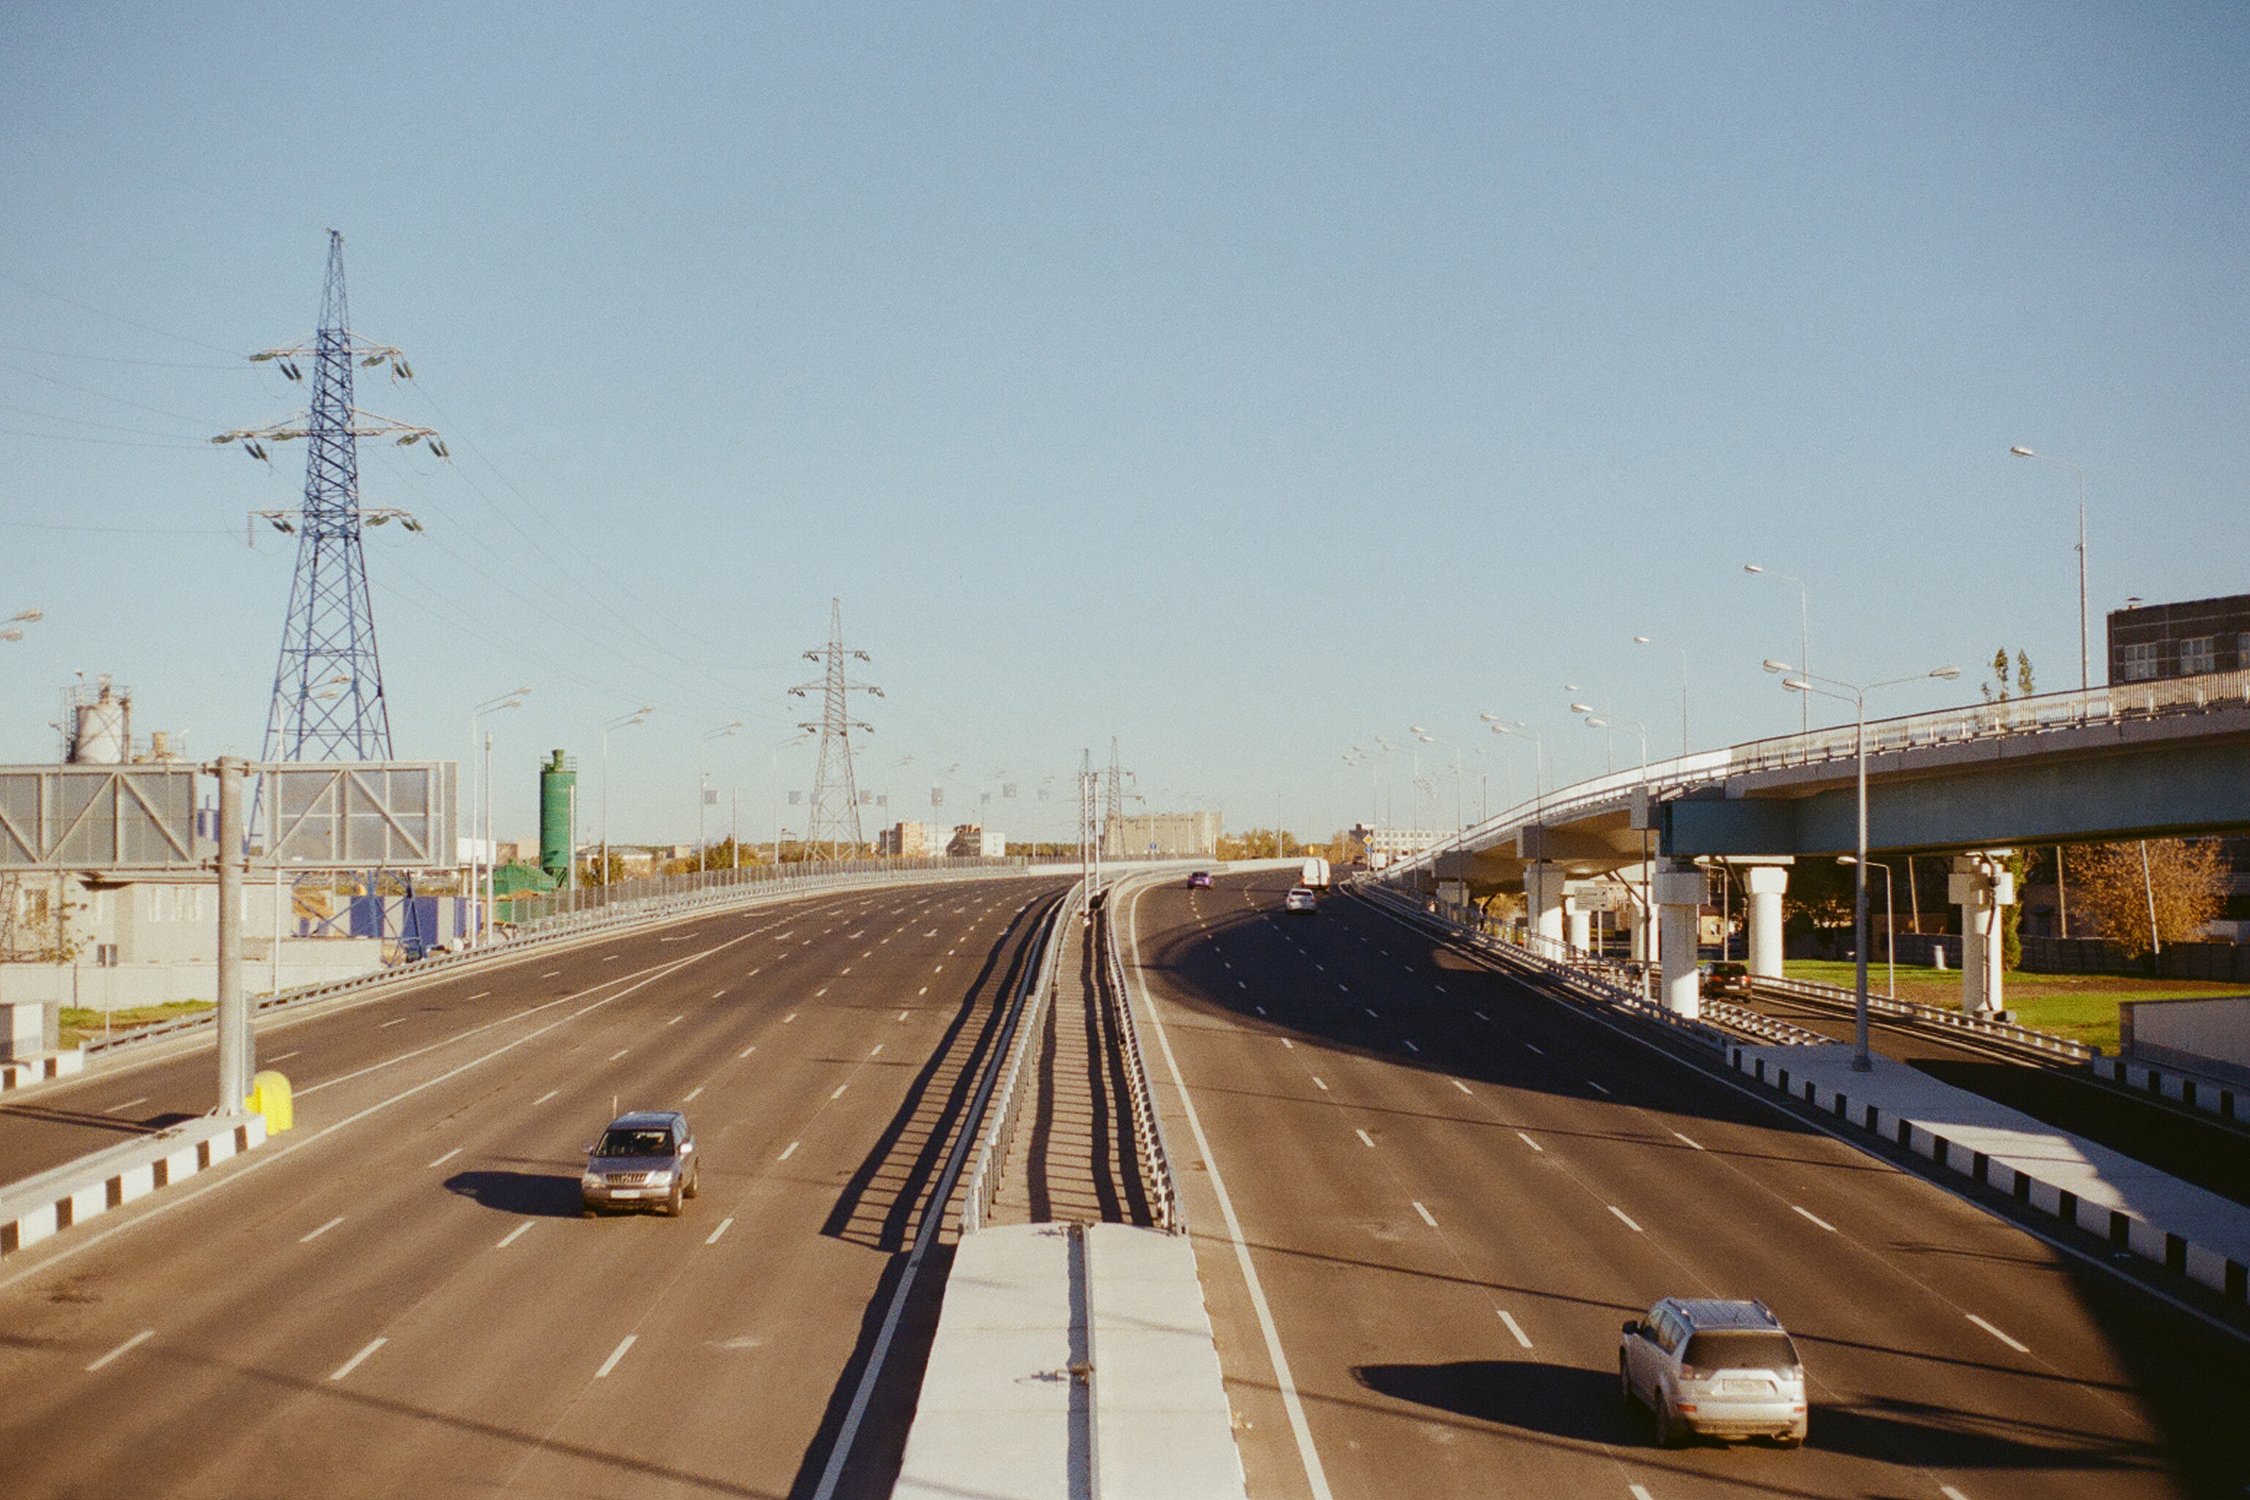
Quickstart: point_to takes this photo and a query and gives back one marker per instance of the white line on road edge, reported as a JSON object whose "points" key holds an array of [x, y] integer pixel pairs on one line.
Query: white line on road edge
{"points": [[615, 1355], [1624, 1218], [1690, 1140], [128, 1104], [282, 1057], [1816, 1218], [543, 1098], [1513, 1326], [399, 1021], [1365, 1139], [1996, 1333], [441, 1161], [1597, 1088], [480, 994], [689, 1096], [1315, 1476], [1260, 1009], [514, 1234], [1950, 1493], [789, 1151], [354, 1362], [1639, 1492], [127, 1347], [1288, 1045], [724, 1224], [1425, 1213], [323, 1229], [1528, 1141]]}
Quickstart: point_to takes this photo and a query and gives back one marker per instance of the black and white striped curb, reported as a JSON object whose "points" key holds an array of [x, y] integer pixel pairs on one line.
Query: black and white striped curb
{"points": [[2228, 1101], [19, 1071], [41, 1207]]}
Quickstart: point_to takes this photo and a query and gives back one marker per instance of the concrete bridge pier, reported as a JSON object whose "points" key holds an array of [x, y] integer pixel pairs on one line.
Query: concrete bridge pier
{"points": [[1678, 893], [1765, 885], [1980, 885], [1581, 922], [1543, 905]]}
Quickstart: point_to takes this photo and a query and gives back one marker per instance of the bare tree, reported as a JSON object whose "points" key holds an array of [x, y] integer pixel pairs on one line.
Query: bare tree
{"points": [[2184, 880]]}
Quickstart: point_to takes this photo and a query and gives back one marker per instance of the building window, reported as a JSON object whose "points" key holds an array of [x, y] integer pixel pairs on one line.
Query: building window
{"points": [[2199, 653], [2242, 651], [2137, 662]]}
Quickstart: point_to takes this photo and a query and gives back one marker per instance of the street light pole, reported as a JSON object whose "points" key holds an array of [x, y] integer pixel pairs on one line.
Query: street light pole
{"points": [[1890, 919], [622, 721], [484, 858], [1804, 635], [1806, 682], [1643, 640], [2085, 649]]}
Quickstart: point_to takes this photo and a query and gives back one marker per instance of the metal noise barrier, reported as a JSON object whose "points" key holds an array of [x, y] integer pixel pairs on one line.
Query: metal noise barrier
{"points": [[1025, 1021], [1148, 1129]]}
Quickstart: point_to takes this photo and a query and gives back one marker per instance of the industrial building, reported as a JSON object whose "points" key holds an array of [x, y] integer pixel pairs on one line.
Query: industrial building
{"points": [[1175, 835], [2151, 642]]}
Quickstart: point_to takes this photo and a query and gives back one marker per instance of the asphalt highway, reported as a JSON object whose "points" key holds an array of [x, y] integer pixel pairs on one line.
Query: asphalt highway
{"points": [[1424, 1197], [401, 1298]]}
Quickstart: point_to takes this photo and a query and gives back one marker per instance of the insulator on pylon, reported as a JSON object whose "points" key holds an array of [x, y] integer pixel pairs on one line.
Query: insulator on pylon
{"points": [[371, 361], [405, 370], [411, 437], [290, 371], [437, 446]]}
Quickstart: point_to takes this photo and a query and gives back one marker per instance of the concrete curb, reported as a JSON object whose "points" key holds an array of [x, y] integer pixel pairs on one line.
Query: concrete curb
{"points": [[19, 1072], [2122, 1227], [2195, 1091], [41, 1207]]}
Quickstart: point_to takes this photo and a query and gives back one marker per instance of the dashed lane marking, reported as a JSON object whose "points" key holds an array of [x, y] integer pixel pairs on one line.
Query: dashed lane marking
{"points": [[1513, 1327], [1625, 1218], [789, 1151], [1693, 1144], [1996, 1333], [1410, 1045], [552, 974], [620, 1052], [121, 1350], [1480, 1015], [785, 1020], [394, 1021], [282, 1057], [323, 1229], [745, 1052], [676, 1020], [1528, 1141], [713, 1239], [480, 994], [689, 1096], [1260, 1009], [514, 1234], [1427, 1217], [543, 1098], [1464, 1088], [441, 1161], [878, 1052], [1365, 1139], [1320, 1083], [1288, 1044], [839, 1091], [358, 1359], [1536, 1051], [1597, 1088], [902, 1015], [1815, 1218], [615, 1355]]}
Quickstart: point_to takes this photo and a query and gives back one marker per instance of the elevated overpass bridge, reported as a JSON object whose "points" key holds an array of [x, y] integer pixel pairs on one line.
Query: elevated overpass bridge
{"points": [[2138, 760]]}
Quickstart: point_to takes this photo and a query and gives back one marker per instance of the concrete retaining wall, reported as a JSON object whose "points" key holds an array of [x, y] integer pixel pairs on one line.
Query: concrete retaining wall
{"points": [[41, 1207]]}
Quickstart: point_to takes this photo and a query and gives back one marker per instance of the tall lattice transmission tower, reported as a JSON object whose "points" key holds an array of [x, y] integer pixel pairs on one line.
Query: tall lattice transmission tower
{"points": [[834, 815], [328, 701], [1113, 806]]}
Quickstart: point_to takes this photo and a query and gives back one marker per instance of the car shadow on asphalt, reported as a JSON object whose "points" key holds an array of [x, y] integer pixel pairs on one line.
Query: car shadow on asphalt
{"points": [[545, 1195], [1558, 1400]]}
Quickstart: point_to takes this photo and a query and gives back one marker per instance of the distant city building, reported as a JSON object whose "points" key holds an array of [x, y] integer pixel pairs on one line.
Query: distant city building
{"points": [[1395, 843], [1185, 835], [970, 841], [908, 840], [2149, 642]]}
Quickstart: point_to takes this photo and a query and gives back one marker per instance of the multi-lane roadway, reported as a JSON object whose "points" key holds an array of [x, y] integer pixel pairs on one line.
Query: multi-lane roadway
{"points": [[400, 1296], [1425, 1197]]}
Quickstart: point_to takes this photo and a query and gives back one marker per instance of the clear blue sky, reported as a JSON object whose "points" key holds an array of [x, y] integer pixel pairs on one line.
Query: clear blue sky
{"points": [[1244, 382]]}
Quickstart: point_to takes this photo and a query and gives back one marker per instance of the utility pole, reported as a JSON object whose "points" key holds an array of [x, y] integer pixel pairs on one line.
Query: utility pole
{"points": [[835, 800], [236, 1048]]}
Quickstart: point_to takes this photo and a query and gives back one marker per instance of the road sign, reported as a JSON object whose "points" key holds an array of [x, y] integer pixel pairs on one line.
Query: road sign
{"points": [[82, 817], [361, 815]]}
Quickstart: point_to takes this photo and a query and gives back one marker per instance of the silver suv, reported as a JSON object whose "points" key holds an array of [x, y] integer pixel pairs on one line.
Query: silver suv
{"points": [[1715, 1369], [645, 1159]]}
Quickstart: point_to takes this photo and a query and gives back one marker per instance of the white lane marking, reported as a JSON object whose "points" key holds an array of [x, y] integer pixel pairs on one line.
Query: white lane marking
{"points": [[441, 1161], [1343, 987], [1624, 1218], [355, 1361], [940, 969], [1692, 1142], [1425, 1213], [398, 1021], [717, 993], [1411, 1047], [615, 1355], [902, 1015], [1535, 1051], [1464, 1088], [785, 1020], [1288, 1045], [839, 1091], [1371, 1014], [1439, 988], [480, 994], [1320, 1082], [1323, 968], [514, 1234], [745, 1052], [724, 1224], [689, 1096], [122, 1349], [620, 1052], [323, 1229], [789, 1151], [282, 1057], [924, 990], [1316, 1477], [1513, 1327], [878, 1050], [1480, 1015], [551, 973], [1260, 1009], [1950, 1493], [1238, 984], [1996, 1333], [610, 958], [676, 1020], [816, 994], [1528, 1141], [846, 969], [1365, 1139], [1639, 1492], [128, 1104], [543, 1098], [1816, 1218], [1597, 1088]]}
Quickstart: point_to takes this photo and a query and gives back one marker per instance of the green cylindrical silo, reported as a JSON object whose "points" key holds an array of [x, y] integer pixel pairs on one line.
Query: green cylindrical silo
{"points": [[558, 793]]}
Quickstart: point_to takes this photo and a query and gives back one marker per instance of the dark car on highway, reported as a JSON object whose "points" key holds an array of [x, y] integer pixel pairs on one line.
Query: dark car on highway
{"points": [[1200, 881], [1726, 979]]}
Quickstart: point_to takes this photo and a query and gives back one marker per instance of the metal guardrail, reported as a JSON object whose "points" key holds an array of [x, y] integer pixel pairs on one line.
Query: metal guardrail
{"points": [[1020, 1042], [1148, 1128], [2040, 714], [1938, 1018], [619, 917]]}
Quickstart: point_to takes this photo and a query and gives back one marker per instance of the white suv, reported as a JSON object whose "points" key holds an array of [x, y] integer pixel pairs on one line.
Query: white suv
{"points": [[1716, 1369]]}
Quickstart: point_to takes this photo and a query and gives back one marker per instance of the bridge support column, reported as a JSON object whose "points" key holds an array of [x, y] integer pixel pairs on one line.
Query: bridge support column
{"points": [[1581, 923], [1980, 885], [1543, 905], [1765, 884], [1679, 901]]}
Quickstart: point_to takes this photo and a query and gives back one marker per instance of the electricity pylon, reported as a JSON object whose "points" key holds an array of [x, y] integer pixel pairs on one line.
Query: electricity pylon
{"points": [[1113, 807], [834, 814], [328, 701]]}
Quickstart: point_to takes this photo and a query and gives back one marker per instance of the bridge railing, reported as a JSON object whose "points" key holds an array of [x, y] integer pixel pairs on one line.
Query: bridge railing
{"points": [[1004, 1113], [1148, 1128], [2041, 713]]}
